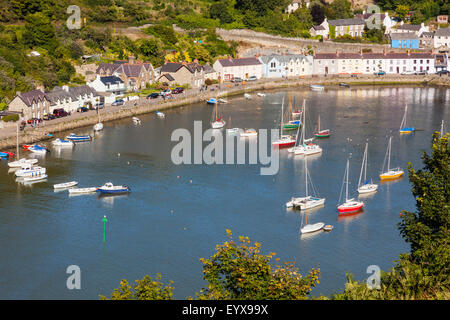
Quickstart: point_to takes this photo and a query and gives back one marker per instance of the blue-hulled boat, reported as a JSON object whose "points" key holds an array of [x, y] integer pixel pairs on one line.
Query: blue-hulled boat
{"points": [[75, 138], [211, 101], [403, 127], [109, 188]]}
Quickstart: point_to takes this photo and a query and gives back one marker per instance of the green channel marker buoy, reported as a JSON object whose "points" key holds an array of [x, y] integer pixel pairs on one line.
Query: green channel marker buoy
{"points": [[104, 227]]}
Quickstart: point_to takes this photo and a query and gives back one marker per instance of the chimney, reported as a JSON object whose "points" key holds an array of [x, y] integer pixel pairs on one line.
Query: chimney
{"points": [[337, 53], [184, 63], [195, 60], [65, 88], [409, 52], [401, 22], [384, 51], [165, 61], [131, 59], [18, 93]]}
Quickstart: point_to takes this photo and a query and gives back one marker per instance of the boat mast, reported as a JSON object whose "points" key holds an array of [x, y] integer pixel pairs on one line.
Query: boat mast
{"points": [[281, 122], [17, 141], [389, 155], [306, 178], [365, 161], [304, 122], [362, 167], [442, 128], [403, 124], [346, 184], [318, 125]]}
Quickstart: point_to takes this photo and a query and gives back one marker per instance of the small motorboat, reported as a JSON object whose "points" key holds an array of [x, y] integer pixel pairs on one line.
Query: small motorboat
{"points": [[109, 188], [316, 87], [65, 185], [249, 133], [36, 177], [328, 227], [312, 227], [259, 94], [26, 146], [98, 126], [211, 101], [344, 85], [21, 162], [38, 149], [62, 143], [247, 96], [82, 190], [160, 114], [233, 131], [78, 138], [29, 170], [7, 154], [222, 101], [136, 120]]}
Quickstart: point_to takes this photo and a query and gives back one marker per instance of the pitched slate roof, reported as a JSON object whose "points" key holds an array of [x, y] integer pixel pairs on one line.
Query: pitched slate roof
{"points": [[239, 62], [282, 58], [130, 70], [111, 79], [442, 32], [32, 96], [175, 66], [167, 76], [404, 36], [346, 22], [375, 55], [74, 93], [366, 16], [319, 27], [412, 27]]}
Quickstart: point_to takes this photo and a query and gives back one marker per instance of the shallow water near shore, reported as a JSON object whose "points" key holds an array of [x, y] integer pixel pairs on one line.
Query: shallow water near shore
{"points": [[177, 214]]}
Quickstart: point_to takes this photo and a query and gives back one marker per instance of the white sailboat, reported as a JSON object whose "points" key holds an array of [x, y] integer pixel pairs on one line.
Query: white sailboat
{"points": [[306, 202], [403, 127], [350, 205], [390, 173], [219, 122], [284, 140], [365, 186], [306, 147], [98, 126], [308, 228]]}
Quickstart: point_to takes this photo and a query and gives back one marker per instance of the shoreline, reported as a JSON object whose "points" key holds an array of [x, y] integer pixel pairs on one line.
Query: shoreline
{"points": [[109, 113]]}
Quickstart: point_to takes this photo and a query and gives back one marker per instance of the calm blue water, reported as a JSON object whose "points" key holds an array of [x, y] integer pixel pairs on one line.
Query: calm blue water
{"points": [[177, 214]]}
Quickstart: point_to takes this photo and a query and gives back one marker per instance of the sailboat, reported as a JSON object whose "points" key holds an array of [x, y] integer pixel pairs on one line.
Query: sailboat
{"points": [[291, 124], [285, 140], [390, 173], [306, 147], [322, 133], [403, 127], [307, 201], [350, 205], [20, 162], [219, 122], [98, 126], [365, 186]]}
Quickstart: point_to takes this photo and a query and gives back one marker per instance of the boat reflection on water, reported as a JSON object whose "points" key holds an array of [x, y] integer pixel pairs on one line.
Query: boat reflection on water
{"points": [[109, 198], [351, 215], [310, 210], [310, 235]]}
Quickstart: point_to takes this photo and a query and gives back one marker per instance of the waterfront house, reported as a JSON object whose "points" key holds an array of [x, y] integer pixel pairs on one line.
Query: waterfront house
{"points": [[286, 65], [372, 19], [325, 63], [72, 98], [167, 79], [32, 104], [404, 40], [135, 75], [442, 19], [418, 29], [210, 73], [238, 68], [426, 40], [442, 38], [184, 73], [109, 87], [318, 30], [353, 27]]}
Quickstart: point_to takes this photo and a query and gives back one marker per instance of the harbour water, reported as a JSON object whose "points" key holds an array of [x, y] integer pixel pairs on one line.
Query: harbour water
{"points": [[176, 214]]}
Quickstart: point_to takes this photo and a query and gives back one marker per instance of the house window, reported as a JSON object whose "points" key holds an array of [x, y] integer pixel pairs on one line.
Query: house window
{"points": [[415, 62], [272, 64]]}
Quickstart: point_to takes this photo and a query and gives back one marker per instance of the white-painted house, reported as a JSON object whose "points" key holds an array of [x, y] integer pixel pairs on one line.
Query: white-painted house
{"points": [[109, 87], [286, 65], [441, 38], [72, 98], [243, 68]]}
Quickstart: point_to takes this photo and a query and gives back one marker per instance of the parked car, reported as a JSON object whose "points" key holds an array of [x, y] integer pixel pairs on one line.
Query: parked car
{"points": [[380, 73], [49, 117], [100, 105], [32, 120], [407, 72], [118, 102], [60, 113], [177, 90], [22, 125], [153, 95], [421, 72], [442, 72], [82, 109], [166, 92], [252, 78], [236, 79]]}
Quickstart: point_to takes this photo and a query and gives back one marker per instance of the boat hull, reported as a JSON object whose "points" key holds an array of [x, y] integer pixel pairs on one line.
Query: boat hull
{"points": [[368, 188], [113, 191], [312, 227], [407, 130], [323, 134], [391, 176], [352, 207]]}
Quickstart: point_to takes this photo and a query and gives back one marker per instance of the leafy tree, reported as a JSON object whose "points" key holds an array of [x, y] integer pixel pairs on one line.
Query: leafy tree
{"points": [[240, 271], [145, 289], [304, 18], [427, 229], [39, 31], [222, 11], [340, 9], [401, 11], [317, 13]]}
